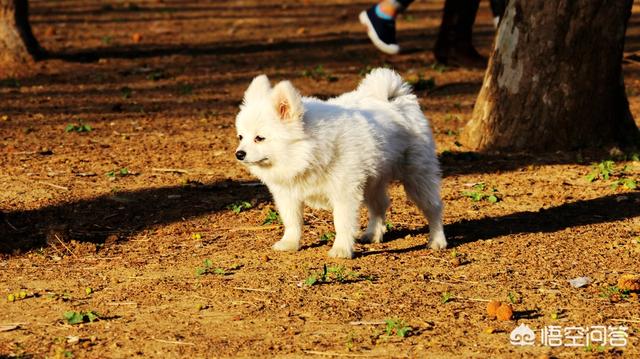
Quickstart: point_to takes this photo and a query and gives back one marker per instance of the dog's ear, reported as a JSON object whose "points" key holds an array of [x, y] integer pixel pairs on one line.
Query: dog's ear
{"points": [[258, 89], [287, 102]]}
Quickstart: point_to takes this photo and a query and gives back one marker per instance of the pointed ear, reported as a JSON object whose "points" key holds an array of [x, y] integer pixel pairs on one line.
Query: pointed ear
{"points": [[258, 89], [287, 102]]}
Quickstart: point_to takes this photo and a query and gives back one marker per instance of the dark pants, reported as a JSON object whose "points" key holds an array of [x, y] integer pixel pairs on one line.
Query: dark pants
{"points": [[497, 6]]}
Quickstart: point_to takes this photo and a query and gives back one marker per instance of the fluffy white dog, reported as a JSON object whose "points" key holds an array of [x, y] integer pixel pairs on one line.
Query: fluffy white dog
{"points": [[334, 154]]}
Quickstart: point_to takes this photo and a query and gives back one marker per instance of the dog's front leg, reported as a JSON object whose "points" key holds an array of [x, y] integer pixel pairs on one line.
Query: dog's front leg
{"points": [[291, 210], [345, 220]]}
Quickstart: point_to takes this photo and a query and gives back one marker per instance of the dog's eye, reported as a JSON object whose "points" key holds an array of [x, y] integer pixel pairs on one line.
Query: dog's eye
{"points": [[258, 139], [240, 137]]}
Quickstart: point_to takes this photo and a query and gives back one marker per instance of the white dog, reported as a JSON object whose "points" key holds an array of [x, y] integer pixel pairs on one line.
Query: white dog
{"points": [[334, 154]]}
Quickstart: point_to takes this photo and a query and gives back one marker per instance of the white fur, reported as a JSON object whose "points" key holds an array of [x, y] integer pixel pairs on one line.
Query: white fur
{"points": [[338, 153]]}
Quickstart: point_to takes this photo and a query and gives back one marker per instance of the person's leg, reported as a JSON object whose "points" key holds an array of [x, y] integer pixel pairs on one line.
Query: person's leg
{"points": [[497, 8], [454, 45], [381, 25]]}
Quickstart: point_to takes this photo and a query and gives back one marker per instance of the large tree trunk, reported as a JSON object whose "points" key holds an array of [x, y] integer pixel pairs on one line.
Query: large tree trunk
{"points": [[18, 46], [554, 80]]}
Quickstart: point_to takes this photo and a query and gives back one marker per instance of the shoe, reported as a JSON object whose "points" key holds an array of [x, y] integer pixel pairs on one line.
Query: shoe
{"points": [[459, 55], [381, 32]]}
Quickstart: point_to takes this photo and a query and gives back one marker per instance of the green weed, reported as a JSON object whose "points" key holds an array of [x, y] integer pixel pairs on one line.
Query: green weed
{"points": [[239, 206], [420, 84], [79, 127], [185, 89], [207, 268], [447, 297], [338, 274], [123, 172], [73, 317], [479, 193], [613, 291], [328, 236], [607, 171], [126, 92], [398, 327], [272, 217], [319, 73]]}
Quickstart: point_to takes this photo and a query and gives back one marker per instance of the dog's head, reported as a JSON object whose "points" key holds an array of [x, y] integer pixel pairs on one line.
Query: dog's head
{"points": [[270, 120]]}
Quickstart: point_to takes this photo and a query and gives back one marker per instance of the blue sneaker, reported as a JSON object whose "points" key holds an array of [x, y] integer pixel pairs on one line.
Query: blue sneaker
{"points": [[382, 32]]}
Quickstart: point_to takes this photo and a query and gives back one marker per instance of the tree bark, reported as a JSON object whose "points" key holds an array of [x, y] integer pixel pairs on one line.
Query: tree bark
{"points": [[18, 47], [554, 79]]}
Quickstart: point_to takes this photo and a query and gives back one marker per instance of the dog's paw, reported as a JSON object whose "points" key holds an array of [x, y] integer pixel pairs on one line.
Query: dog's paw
{"points": [[341, 252], [438, 241], [283, 245], [370, 238]]}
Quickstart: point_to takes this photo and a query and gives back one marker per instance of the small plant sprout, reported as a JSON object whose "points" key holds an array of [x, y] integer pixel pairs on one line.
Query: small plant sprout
{"points": [[185, 89], [388, 225], [419, 83], [196, 236], [207, 264], [80, 127], [80, 317], [126, 92], [272, 217], [398, 327], [447, 297], [338, 274], [479, 193], [613, 293], [602, 170], [207, 268], [514, 298], [606, 171], [319, 73], [327, 236], [88, 290], [438, 67], [239, 206], [123, 172]]}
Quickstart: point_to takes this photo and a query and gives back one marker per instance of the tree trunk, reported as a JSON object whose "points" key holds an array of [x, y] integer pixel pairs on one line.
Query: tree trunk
{"points": [[554, 80], [18, 46]]}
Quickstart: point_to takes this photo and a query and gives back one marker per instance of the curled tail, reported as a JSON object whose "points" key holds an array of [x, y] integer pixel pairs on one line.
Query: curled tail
{"points": [[384, 84]]}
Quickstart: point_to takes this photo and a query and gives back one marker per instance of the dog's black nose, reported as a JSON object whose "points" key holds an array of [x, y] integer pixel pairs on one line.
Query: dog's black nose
{"points": [[241, 155]]}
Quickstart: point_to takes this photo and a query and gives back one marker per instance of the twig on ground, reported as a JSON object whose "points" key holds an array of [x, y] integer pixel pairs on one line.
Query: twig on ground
{"points": [[175, 170], [255, 228], [65, 246], [254, 289], [53, 185], [334, 354], [173, 342], [626, 320], [123, 303], [363, 322]]}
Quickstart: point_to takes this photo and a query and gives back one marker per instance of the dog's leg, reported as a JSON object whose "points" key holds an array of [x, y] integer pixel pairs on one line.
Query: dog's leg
{"points": [[424, 190], [377, 203], [291, 210], [345, 219]]}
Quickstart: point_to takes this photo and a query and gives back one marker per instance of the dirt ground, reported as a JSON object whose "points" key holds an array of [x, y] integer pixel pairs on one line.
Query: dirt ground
{"points": [[134, 221]]}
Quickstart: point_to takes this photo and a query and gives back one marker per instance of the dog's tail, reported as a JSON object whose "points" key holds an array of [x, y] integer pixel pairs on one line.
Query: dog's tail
{"points": [[385, 85]]}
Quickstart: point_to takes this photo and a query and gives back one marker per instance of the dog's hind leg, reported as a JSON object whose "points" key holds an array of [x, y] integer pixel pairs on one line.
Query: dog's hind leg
{"points": [[422, 185], [377, 203]]}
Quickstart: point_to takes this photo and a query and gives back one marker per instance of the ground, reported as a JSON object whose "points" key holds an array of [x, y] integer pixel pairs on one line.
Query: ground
{"points": [[133, 219]]}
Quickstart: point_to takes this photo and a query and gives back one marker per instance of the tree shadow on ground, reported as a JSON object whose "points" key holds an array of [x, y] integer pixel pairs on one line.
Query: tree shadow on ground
{"points": [[599, 210], [120, 214]]}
